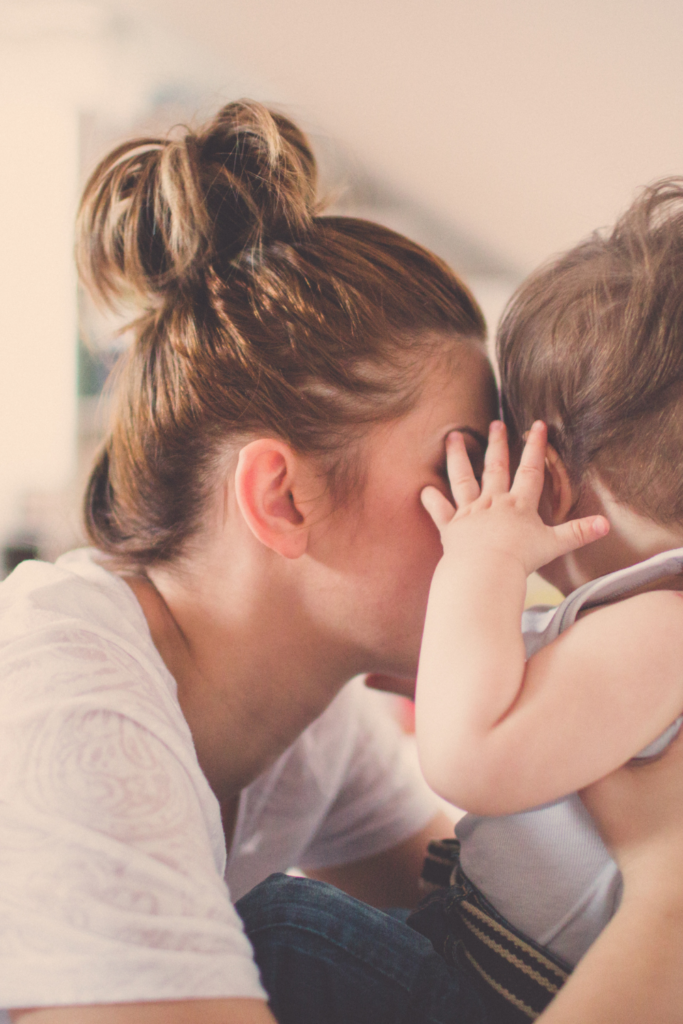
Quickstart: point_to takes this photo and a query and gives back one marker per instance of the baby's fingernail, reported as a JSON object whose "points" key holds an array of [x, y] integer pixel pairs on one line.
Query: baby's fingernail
{"points": [[600, 526], [537, 425], [496, 426]]}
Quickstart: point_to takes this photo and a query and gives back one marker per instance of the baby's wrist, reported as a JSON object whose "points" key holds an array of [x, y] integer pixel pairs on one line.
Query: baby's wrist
{"points": [[485, 562]]}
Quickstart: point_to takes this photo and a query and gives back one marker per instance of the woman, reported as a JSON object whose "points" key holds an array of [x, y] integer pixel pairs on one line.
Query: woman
{"points": [[255, 510], [180, 691]]}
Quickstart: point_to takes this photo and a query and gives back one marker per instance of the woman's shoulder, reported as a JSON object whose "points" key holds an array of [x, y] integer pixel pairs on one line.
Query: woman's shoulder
{"points": [[78, 625], [45, 605], [75, 588], [83, 683]]}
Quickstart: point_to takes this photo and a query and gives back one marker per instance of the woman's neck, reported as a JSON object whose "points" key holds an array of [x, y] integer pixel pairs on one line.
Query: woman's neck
{"points": [[251, 673], [632, 538]]}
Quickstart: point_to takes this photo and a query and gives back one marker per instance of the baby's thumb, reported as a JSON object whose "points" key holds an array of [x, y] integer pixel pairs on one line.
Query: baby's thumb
{"points": [[579, 532], [439, 507]]}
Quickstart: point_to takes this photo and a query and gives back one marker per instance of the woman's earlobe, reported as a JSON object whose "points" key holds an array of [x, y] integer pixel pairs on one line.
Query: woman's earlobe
{"points": [[266, 486]]}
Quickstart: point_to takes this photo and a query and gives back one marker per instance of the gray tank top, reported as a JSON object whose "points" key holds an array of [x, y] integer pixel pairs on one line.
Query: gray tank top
{"points": [[547, 870]]}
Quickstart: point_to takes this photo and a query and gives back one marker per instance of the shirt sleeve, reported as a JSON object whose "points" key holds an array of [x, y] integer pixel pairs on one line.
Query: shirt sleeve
{"points": [[382, 798], [110, 887]]}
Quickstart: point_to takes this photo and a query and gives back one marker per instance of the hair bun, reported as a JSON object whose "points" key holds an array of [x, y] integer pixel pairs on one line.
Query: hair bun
{"points": [[156, 212]]}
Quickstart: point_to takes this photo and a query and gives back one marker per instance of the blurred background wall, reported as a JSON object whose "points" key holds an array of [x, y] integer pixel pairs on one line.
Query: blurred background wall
{"points": [[496, 133]]}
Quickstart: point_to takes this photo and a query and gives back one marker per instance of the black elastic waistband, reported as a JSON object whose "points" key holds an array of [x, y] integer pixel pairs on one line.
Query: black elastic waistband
{"points": [[468, 931]]}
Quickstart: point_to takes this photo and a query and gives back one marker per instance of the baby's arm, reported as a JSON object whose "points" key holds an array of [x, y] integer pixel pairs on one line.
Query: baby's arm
{"points": [[633, 973], [497, 734]]}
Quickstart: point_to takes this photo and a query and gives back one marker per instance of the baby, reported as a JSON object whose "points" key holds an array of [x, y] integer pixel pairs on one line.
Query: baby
{"points": [[512, 722]]}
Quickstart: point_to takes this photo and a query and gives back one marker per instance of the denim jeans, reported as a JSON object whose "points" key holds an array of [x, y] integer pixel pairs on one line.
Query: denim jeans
{"points": [[326, 958]]}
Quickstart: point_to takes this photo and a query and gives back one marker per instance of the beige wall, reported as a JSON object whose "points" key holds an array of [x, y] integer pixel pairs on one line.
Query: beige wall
{"points": [[525, 123]]}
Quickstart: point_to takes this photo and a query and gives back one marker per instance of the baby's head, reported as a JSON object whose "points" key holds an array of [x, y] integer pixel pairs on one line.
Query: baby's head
{"points": [[592, 343]]}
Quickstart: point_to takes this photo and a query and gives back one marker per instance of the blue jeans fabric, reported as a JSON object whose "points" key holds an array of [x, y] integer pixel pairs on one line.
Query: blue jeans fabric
{"points": [[326, 958]]}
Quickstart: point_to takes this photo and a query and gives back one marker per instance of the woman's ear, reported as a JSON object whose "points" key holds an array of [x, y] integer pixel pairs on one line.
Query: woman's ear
{"points": [[558, 497], [268, 488]]}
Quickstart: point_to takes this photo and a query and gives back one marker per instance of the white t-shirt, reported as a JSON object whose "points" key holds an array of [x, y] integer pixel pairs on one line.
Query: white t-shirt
{"points": [[546, 870], [114, 880]]}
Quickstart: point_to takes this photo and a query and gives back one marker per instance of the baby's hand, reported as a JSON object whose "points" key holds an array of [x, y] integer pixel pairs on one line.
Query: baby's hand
{"points": [[499, 518]]}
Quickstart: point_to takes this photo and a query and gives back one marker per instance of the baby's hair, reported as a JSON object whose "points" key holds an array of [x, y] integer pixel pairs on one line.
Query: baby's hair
{"points": [[592, 343], [254, 313]]}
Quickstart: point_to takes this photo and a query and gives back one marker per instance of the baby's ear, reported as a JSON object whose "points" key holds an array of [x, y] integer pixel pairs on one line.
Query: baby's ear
{"points": [[558, 498]]}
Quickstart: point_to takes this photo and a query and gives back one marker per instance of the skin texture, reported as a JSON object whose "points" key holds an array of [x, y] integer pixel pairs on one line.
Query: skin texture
{"points": [[632, 538], [572, 713], [302, 592], [632, 974]]}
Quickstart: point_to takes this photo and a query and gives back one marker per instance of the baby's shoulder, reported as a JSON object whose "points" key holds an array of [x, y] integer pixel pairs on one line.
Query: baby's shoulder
{"points": [[651, 607], [653, 618]]}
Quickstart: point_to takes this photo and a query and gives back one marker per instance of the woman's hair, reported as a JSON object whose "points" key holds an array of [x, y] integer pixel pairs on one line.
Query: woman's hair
{"points": [[254, 314], [592, 343]]}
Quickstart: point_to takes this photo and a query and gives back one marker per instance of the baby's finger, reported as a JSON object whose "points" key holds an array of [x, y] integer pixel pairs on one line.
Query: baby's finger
{"points": [[439, 507], [496, 478], [530, 475], [464, 486], [579, 532]]}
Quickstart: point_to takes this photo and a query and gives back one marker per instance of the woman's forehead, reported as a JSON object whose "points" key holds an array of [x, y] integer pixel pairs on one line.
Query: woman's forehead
{"points": [[462, 387], [448, 401]]}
